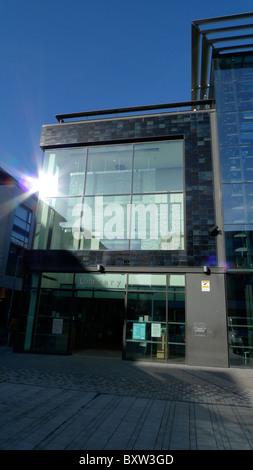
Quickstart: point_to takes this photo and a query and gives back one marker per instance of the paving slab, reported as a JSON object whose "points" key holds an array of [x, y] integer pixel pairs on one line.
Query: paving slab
{"points": [[94, 403]]}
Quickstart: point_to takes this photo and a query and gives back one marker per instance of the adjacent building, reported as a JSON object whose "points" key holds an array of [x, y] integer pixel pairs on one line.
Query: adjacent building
{"points": [[143, 237], [17, 212]]}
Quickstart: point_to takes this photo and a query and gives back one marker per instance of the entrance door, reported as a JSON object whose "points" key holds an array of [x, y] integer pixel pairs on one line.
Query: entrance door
{"points": [[99, 321]]}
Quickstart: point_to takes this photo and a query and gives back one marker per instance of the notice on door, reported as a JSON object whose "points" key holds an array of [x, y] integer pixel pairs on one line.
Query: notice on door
{"points": [[205, 286], [57, 326], [156, 330], [139, 331]]}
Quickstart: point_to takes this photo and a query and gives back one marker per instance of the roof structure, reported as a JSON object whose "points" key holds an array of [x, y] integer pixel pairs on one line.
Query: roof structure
{"points": [[214, 37]]}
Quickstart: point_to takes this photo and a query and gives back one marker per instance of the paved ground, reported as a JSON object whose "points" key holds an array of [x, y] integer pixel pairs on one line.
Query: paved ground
{"points": [[88, 402]]}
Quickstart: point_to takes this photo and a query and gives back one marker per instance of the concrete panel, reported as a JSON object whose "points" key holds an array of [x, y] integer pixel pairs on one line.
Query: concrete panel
{"points": [[206, 327]]}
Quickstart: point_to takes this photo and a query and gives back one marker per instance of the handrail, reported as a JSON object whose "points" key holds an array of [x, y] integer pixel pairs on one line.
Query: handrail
{"points": [[192, 104]]}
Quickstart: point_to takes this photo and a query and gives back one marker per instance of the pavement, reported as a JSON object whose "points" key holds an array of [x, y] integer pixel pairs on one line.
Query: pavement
{"points": [[101, 403]]}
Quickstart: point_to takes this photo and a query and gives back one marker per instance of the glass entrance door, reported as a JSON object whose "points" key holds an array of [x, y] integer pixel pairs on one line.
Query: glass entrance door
{"points": [[99, 311], [141, 315], [99, 321], [155, 323]]}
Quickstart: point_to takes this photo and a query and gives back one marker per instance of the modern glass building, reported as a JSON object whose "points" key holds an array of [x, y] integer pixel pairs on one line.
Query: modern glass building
{"points": [[143, 230], [230, 82]]}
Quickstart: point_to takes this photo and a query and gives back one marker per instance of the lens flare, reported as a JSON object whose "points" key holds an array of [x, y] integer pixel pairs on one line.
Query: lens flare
{"points": [[27, 188]]}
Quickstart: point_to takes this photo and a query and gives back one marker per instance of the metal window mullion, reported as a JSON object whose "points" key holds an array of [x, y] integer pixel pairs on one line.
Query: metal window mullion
{"points": [[83, 193], [167, 317], [131, 200]]}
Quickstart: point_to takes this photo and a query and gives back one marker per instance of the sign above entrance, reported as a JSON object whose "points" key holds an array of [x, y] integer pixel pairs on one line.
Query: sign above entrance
{"points": [[100, 281]]}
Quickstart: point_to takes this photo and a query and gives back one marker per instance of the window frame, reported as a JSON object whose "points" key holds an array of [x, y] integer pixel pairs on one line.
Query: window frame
{"points": [[132, 195]]}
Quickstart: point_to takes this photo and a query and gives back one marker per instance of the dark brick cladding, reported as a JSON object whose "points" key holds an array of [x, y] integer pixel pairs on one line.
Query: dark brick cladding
{"points": [[194, 127]]}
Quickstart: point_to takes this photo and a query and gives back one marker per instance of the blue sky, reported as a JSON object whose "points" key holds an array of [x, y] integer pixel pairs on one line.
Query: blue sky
{"points": [[63, 56]]}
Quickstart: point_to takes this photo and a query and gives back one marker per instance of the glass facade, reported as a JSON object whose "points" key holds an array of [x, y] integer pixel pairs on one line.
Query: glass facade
{"points": [[234, 95], [55, 224], [115, 197], [143, 313]]}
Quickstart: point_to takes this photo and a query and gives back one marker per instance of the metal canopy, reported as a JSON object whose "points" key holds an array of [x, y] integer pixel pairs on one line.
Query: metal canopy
{"points": [[214, 37]]}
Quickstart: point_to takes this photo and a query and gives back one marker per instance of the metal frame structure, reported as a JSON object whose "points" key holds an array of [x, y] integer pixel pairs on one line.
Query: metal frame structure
{"points": [[208, 104], [214, 37]]}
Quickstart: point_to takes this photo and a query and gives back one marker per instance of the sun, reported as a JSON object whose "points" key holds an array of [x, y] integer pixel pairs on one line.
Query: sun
{"points": [[44, 185]]}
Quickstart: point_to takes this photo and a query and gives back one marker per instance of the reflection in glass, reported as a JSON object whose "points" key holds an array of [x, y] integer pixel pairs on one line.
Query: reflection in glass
{"points": [[57, 224], [104, 224], [234, 98], [57, 280], [146, 281], [239, 246], [158, 167], [63, 173], [109, 170], [238, 203], [146, 306], [176, 280], [157, 222], [111, 217], [237, 164]]}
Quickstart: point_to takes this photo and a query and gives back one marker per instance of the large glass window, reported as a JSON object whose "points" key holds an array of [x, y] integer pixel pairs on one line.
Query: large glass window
{"points": [[237, 164], [21, 226], [157, 222], [132, 198], [63, 173], [109, 170], [104, 224], [158, 166], [239, 246], [58, 221], [238, 203], [146, 282]]}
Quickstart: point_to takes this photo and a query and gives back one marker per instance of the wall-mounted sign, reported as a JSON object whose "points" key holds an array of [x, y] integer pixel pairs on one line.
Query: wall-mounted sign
{"points": [[200, 329], [139, 331], [205, 286]]}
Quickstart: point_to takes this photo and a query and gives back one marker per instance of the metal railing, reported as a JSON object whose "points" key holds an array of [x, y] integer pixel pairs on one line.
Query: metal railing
{"points": [[197, 104]]}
